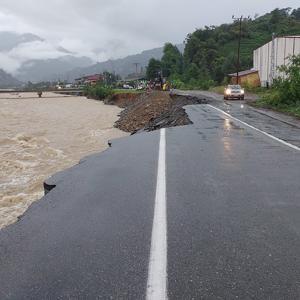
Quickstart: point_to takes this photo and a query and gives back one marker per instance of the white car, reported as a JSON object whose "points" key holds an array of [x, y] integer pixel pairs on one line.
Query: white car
{"points": [[234, 92], [127, 87]]}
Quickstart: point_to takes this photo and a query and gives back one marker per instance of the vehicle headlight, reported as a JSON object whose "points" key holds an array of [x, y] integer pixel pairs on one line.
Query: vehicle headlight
{"points": [[243, 91], [228, 91]]}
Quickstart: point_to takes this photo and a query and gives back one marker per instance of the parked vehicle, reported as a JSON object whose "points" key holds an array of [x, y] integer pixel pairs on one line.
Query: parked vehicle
{"points": [[127, 87], [234, 92]]}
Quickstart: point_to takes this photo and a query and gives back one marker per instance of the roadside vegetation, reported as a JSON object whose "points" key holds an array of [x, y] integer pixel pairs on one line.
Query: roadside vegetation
{"points": [[210, 54], [101, 91], [98, 92], [127, 91], [284, 95]]}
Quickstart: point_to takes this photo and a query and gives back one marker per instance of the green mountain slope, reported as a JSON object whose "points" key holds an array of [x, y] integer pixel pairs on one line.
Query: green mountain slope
{"points": [[211, 53], [213, 50]]}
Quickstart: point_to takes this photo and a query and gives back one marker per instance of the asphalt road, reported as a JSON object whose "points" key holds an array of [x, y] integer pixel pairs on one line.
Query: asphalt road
{"points": [[205, 211], [277, 124]]}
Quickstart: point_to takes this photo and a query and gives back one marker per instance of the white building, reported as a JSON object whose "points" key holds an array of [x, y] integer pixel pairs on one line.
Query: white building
{"points": [[274, 54]]}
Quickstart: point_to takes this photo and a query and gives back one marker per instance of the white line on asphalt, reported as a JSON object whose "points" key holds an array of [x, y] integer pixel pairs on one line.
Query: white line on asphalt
{"points": [[254, 128], [157, 273]]}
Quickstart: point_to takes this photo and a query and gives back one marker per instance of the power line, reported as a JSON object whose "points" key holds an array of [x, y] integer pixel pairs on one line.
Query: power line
{"points": [[239, 47], [240, 20]]}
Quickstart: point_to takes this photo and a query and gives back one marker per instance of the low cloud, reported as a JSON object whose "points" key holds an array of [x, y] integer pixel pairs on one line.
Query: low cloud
{"points": [[104, 29], [37, 50], [11, 60], [8, 64]]}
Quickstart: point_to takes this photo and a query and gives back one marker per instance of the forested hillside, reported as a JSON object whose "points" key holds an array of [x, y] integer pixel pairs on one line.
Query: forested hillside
{"points": [[211, 53], [122, 66]]}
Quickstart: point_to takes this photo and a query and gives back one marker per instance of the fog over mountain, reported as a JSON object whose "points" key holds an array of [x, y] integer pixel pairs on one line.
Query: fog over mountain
{"points": [[122, 66], [50, 69], [11, 40], [29, 57], [8, 81], [102, 29], [39, 33]]}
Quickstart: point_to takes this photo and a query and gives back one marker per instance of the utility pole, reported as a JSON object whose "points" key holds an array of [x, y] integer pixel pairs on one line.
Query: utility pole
{"points": [[240, 20]]}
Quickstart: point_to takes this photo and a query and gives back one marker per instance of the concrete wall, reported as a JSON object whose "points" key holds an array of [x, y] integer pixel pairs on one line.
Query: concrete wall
{"points": [[283, 48], [250, 80]]}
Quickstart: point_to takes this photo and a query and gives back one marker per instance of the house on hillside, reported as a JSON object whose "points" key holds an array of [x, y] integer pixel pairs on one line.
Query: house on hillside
{"points": [[246, 78], [276, 53], [89, 79]]}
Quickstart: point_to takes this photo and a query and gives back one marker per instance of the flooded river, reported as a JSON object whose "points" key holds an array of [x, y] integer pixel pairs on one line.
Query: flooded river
{"points": [[39, 137]]}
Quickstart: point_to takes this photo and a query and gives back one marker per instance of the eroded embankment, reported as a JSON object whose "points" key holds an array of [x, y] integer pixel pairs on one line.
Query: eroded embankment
{"points": [[147, 112]]}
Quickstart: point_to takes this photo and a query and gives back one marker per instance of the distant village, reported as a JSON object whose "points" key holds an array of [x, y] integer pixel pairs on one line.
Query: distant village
{"points": [[134, 81], [266, 60]]}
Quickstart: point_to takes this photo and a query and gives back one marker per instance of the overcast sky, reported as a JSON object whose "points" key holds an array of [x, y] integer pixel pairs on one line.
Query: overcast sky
{"points": [[104, 29]]}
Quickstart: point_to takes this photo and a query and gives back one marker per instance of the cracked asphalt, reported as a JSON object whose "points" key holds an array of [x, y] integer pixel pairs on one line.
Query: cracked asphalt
{"points": [[233, 216]]}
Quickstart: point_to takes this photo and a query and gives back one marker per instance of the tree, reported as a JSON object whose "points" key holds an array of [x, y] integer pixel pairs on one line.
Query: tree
{"points": [[209, 53], [296, 13], [212, 49], [172, 61], [153, 69], [191, 72], [288, 86], [110, 78], [277, 15]]}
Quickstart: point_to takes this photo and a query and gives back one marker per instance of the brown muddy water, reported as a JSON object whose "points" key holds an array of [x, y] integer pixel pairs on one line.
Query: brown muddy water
{"points": [[39, 137]]}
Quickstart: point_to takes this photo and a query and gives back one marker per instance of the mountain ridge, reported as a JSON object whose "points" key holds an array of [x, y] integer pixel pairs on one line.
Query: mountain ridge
{"points": [[68, 65], [8, 81], [36, 70], [121, 66], [10, 40]]}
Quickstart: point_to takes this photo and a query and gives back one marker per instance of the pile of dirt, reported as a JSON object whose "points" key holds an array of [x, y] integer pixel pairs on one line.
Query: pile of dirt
{"points": [[122, 100], [153, 111]]}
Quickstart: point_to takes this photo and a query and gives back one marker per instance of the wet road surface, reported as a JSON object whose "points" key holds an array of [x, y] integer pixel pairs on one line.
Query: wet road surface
{"points": [[228, 194], [282, 126]]}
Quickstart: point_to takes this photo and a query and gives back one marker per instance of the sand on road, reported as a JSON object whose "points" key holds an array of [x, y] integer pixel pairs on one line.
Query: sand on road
{"points": [[39, 137]]}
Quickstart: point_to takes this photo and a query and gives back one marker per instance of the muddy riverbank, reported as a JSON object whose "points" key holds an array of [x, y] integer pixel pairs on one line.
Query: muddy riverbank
{"points": [[147, 112], [39, 137]]}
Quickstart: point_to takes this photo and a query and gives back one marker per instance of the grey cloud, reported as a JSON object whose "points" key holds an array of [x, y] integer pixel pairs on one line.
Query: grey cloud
{"points": [[103, 29]]}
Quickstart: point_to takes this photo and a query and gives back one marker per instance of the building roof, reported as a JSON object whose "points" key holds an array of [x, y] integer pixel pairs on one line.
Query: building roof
{"points": [[90, 77], [243, 73], [93, 77], [280, 37], [289, 37]]}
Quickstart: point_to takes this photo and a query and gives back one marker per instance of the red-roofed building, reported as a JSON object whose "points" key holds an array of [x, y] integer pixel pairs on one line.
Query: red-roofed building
{"points": [[90, 79]]}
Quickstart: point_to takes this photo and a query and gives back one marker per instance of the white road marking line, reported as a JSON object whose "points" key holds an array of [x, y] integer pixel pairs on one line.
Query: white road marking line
{"points": [[157, 273], [254, 128]]}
